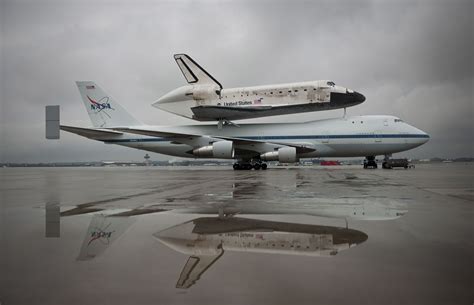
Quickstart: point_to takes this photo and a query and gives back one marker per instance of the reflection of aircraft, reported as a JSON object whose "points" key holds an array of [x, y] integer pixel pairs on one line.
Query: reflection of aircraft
{"points": [[357, 209], [102, 232], [204, 99], [347, 208], [250, 144], [206, 239]]}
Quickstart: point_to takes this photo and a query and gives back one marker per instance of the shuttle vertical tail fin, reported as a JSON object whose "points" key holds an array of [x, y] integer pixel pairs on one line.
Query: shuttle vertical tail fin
{"points": [[103, 110], [193, 72]]}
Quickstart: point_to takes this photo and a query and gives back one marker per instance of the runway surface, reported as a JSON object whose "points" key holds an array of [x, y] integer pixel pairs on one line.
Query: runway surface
{"points": [[420, 251]]}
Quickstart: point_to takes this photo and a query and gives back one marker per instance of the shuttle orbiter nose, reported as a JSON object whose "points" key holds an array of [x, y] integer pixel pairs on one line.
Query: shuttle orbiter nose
{"points": [[358, 97], [346, 99]]}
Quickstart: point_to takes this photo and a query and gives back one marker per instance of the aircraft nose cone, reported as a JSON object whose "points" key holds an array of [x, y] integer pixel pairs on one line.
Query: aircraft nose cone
{"points": [[349, 98], [358, 97]]}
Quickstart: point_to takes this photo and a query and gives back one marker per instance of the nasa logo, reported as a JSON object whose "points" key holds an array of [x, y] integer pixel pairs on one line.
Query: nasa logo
{"points": [[100, 105], [103, 236]]}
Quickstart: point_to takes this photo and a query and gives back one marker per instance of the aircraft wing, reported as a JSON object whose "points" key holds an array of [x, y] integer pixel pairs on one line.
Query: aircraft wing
{"points": [[190, 139], [300, 147], [157, 133], [91, 133], [194, 268], [212, 112]]}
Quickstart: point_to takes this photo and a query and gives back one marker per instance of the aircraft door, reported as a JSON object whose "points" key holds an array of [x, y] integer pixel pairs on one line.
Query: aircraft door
{"points": [[325, 137], [377, 137]]}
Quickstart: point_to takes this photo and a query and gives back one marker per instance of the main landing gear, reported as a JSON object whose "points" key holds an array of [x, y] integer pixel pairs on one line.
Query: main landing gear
{"points": [[369, 162], [249, 166]]}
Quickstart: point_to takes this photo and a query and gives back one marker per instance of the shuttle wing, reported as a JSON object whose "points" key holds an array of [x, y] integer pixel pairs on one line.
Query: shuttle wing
{"points": [[194, 268]]}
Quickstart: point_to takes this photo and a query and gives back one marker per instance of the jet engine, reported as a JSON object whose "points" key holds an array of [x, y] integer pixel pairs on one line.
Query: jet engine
{"points": [[220, 149], [205, 92], [283, 155]]}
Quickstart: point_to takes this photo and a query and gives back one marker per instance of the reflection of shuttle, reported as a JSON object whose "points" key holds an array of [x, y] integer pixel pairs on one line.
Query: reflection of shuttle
{"points": [[204, 99], [205, 240]]}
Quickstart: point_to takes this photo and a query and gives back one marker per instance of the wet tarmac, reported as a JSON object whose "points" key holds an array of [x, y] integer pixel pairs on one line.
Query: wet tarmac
{"points": [[211, 235]]}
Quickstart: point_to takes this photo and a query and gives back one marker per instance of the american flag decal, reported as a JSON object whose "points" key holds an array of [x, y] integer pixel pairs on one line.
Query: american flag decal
{"points": [[90, 87]]}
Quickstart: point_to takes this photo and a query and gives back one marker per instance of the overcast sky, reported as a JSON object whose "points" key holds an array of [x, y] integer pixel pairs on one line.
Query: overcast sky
{"points": [[412, 59]]}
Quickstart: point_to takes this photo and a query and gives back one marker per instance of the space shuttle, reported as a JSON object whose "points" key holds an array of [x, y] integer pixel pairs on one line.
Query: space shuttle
{"points": [[204, 98], [206, 239]]}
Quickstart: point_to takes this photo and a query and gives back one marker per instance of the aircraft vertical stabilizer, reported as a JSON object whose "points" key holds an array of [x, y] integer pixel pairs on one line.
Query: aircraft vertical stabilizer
{"points": [[102, 232], [103, 110], [193, 72]]}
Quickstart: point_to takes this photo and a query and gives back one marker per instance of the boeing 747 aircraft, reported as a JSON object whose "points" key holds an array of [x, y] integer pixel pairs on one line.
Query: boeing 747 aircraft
{"points": [[204, 99], [249, 144]]}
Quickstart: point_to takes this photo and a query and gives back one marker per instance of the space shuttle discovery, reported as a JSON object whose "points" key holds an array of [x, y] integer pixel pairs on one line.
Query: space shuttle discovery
{"points": [[204, 98], [206, 239]]}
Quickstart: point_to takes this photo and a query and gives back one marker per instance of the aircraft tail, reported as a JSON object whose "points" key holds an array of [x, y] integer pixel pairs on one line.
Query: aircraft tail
{"points": [[193, 72], [102, 232], [103, 110]]}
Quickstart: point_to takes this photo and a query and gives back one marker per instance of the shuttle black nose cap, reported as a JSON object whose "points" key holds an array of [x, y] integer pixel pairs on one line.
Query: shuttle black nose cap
{"points": [[359, 98]]}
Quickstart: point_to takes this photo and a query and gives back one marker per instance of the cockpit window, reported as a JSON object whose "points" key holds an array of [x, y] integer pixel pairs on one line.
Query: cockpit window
{"points": [[398, 120], [331, 84]]}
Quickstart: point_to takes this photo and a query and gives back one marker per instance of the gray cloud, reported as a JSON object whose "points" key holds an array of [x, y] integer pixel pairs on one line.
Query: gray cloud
{"points": [[411, 59]]}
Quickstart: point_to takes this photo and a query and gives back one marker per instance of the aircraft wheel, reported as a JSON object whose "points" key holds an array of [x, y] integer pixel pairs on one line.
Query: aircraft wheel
{"points": [[264, 166], [236, 166], [248, 166], [256, 166]]}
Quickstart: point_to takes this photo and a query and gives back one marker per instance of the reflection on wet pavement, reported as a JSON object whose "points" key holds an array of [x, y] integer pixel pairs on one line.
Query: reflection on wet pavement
{"points": [[249, 237], [206, 239]]}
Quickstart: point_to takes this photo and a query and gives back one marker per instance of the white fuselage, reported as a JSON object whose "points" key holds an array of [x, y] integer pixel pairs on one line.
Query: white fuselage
{"points": [[279, 99], [356, 136], [315, 241]]}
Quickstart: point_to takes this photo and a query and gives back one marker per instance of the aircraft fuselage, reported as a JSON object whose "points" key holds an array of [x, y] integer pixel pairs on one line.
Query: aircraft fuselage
{"points": [[341, 137]]}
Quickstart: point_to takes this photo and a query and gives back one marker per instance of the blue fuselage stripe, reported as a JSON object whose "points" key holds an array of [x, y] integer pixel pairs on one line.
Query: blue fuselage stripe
{"points": [[301, 137]]}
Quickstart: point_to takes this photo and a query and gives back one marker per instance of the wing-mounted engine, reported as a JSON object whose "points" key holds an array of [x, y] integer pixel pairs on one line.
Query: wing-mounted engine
{"points": [[283, 155], [220, 149]]}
